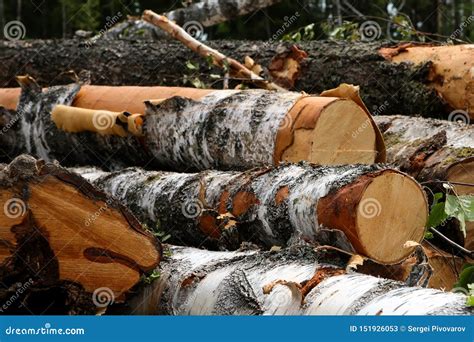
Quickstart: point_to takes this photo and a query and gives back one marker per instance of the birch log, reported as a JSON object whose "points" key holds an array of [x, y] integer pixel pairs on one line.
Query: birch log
{"points": [[199, 129], [296, 281], [193, 17], [432, 150], [429, 149], [277, 206], [388, 87], [65, 248]]}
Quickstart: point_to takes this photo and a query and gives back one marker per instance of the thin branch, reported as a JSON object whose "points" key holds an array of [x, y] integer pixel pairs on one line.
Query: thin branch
{"points": [[453, 244], [447, 182], [218, 58]]}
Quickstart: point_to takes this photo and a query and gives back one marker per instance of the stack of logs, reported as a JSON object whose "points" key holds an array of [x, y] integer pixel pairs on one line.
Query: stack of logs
{"points": [[273, 202]]}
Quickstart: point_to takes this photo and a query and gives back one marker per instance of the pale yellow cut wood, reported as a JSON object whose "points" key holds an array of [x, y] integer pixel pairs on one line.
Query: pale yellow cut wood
{"points": [[392, 211], [453, 71], [343, 134], [74, 223]]}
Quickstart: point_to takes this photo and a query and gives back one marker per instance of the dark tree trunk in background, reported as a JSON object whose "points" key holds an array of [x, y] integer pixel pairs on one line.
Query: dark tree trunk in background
{"points": [[18, 10], [64, 19], [2, 14]]}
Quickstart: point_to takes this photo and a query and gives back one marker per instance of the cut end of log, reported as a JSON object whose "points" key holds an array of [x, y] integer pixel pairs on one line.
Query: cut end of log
{"points": [[56, 229], [379, 214], [327, 131], [392, 211]]}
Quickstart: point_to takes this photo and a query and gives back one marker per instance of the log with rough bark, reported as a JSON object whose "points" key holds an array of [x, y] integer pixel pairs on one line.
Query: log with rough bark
{"points": [[186, 128], [193, 17], [429, 149], [277, 206], [452, 71], [295, 281], [65, 248], [432, 150], [387, 87]]}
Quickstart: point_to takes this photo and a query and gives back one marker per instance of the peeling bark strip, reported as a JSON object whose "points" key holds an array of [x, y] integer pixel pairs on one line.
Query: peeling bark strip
{"points": [[277, 206], [75, 247], [213, 129], [431, 150], [407, 88], [296, 281]]}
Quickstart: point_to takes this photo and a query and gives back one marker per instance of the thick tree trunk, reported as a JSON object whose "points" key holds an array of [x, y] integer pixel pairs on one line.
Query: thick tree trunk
{"points": [[208, 129], [432, 150], [65, 248], [277, 206], [299, 281], [387, 88]]}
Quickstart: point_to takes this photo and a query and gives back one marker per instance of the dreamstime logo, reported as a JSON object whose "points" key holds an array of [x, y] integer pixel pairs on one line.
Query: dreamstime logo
{"points": [[368, 121], [192, 208], [458, 32], [14, 30], [102, 297], [102, 120], [286, 122], [91, 219], [369, 31], [370, 207], [288, 21], [12, 122], [459, 116], [14, 297], [14, 208], [282, 298], [194, 28], [110, 21]]}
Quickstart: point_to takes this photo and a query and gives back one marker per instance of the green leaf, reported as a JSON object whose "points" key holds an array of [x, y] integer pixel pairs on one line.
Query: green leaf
{"points": [[152, 277], [197, 83], [460, 207], [437, 215], [209, 60], [470, 301], [467, 203], [191, 66], [436, 197], [428, 235], [466, 278]]}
